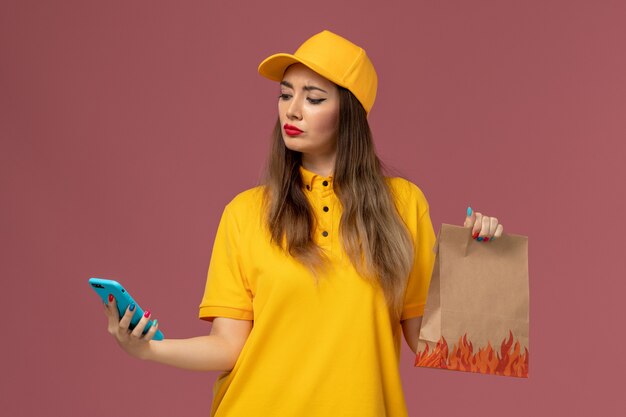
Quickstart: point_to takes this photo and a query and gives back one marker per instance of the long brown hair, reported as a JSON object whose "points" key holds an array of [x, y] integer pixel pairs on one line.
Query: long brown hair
{"points": [[373, 234]]}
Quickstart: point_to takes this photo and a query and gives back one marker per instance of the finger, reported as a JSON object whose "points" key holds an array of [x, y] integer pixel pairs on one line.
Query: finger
{"points": [[127, 317], [493, 224], [489, 226], [477, 227], [470, 218], [111, 311], [105, 305], [152, 330], [138, 330], [113, 314], [484, 230], [499, 231]]}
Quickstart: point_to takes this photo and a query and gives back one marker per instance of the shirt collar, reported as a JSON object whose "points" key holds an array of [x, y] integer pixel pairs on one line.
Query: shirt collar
{"points": [[312, 180]]}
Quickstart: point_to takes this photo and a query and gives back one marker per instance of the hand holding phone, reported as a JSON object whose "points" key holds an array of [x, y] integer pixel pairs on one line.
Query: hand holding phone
{"points": [[128, 323]]}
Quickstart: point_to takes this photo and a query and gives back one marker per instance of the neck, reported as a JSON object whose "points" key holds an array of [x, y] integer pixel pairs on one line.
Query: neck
{"points": [[323, 165]]}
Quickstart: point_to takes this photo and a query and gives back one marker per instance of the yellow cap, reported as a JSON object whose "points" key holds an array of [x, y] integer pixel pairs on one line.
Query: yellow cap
{"points": [[334, 58]]}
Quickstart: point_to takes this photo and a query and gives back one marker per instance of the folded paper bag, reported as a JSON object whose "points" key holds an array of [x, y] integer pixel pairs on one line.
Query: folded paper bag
{"points": [[477, 302]]}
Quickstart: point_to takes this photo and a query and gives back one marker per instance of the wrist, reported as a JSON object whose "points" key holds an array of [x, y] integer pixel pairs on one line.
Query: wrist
{"points": [[147, 352]]}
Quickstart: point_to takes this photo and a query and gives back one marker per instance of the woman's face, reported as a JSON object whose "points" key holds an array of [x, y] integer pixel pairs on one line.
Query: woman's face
{"points": [[310, 103]]}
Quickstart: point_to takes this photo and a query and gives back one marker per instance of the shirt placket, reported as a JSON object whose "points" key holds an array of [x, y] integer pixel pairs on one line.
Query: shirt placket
{"points": [[325, 215], [323, 206]]}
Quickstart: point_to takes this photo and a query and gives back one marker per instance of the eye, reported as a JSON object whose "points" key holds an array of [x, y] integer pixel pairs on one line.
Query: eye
{"points": [[316, 101], [283, 96]]}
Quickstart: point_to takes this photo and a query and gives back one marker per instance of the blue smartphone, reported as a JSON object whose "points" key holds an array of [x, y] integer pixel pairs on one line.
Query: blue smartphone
{"points": [[104, 287]]}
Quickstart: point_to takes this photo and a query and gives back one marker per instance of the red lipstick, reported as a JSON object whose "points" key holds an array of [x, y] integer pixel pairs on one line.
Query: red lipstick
{"points": [[291, 130]]}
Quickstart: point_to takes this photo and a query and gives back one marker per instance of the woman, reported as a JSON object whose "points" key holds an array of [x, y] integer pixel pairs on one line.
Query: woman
{"points": [[329, 259]]}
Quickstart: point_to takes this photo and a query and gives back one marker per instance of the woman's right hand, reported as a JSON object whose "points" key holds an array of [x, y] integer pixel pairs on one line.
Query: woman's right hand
{"points": [[133, 342]]}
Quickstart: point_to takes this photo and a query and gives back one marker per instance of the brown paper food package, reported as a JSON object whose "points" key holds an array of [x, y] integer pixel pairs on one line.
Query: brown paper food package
{"points": [[476, 315]]}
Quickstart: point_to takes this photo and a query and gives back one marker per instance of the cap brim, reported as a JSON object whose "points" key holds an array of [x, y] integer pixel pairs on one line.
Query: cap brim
{"points": [[274, 66]]}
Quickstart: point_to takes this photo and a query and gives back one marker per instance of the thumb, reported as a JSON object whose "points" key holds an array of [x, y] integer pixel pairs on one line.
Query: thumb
{"points": [[470, 218]]}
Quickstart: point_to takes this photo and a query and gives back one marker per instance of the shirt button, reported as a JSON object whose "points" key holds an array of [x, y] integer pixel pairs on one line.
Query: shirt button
{"points": [[324, 233], [325, 183], [325, 208]]}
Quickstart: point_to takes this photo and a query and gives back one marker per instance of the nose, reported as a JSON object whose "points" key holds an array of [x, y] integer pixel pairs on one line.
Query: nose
{"points": [[294, 110]]}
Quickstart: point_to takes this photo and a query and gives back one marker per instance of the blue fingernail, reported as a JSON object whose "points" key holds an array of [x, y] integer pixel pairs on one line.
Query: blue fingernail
{"points": [[479, 238], [132, 307], [469, 211]]}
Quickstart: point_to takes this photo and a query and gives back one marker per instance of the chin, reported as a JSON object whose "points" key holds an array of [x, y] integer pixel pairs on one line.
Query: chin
{"points": [[295, 144]]}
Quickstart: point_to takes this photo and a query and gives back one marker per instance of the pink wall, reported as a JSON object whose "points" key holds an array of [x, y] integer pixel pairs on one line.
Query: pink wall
{"points": [[126, 126]]}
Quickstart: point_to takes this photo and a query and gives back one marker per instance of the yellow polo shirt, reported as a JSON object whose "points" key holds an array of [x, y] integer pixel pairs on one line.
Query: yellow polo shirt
{"points": [[318, 352]]}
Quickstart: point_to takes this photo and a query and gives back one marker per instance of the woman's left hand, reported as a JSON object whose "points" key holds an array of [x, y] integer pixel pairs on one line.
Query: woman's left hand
{"points": [[484, 228]]}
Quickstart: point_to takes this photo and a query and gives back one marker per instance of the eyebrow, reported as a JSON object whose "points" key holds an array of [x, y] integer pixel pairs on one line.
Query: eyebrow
{"points": [[305, 88]]}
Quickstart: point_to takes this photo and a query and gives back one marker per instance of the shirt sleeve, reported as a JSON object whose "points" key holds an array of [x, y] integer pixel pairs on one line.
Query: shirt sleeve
{"points": [[423, 262], [227, 293]]}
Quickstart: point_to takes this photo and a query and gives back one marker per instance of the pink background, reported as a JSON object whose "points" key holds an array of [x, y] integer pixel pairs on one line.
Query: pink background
{"points": [[126, 126]]}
